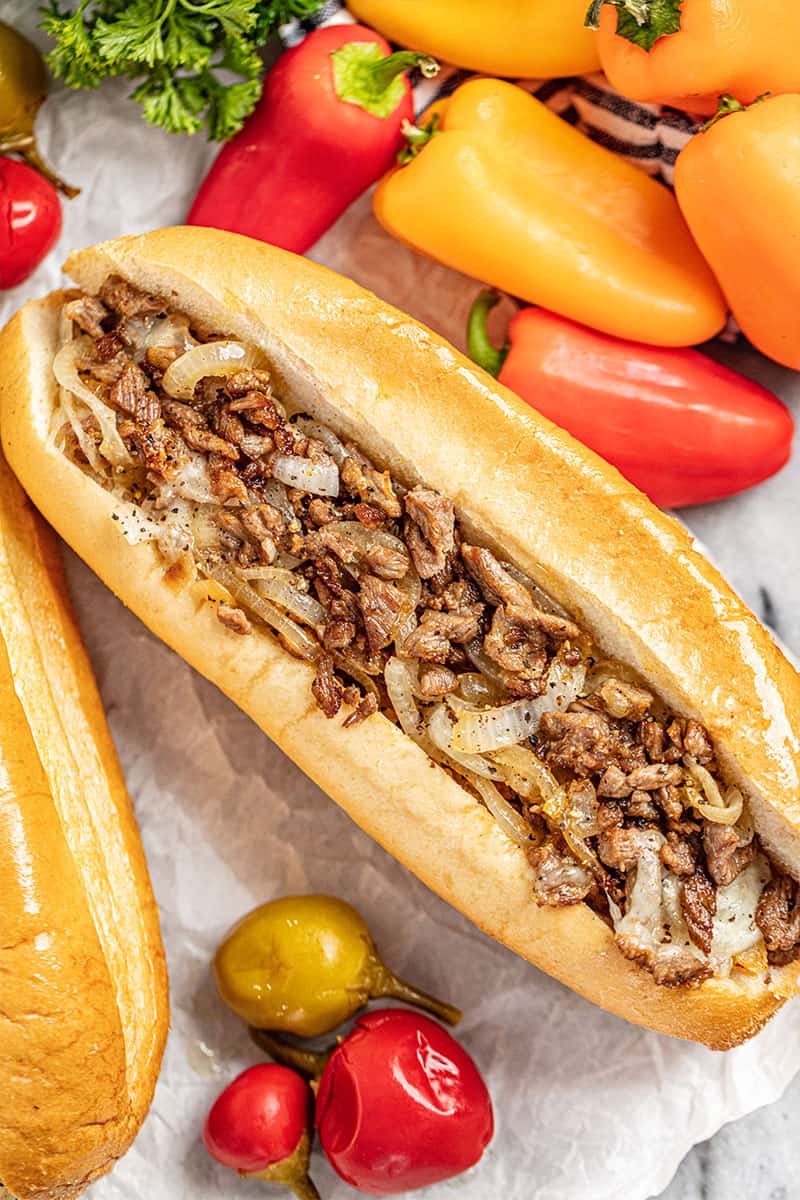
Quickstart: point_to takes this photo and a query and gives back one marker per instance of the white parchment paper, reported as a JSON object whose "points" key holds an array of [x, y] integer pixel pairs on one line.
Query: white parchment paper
{"points": [[586, 1105]]}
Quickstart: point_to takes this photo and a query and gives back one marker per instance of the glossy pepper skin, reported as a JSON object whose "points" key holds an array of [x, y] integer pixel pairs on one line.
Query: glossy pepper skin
{"points": [[681, 427], [512, 195], [259, 1126], [518, 38], [742, 47], [304, 965], [307, 151], [30, 220], [738, 184], [401, 1105]]}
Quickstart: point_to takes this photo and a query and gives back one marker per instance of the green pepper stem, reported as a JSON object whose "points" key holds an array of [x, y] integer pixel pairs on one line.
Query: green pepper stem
{"points": [[480, 346], [27, 148], [308, 1062], [729, 104], [385, 983], [386, 69]]}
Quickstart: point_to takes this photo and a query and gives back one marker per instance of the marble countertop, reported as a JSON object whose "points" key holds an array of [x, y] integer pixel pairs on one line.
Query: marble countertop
{"points": [[755, 539]]}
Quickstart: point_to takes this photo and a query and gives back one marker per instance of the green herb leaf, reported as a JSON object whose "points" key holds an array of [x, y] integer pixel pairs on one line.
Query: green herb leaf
{"points": [[642, 22], [180, 53]]}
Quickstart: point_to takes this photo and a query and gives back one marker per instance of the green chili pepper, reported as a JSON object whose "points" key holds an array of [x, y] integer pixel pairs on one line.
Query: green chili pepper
{"points": [[23, 88], [304, 965]]}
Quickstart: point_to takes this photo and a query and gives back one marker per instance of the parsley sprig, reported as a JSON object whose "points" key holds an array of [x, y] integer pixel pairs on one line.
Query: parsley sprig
{"points": [[195, 62]]}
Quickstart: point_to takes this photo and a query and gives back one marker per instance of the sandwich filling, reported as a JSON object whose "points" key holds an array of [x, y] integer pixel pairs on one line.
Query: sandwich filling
{"points": [[278, 523]]}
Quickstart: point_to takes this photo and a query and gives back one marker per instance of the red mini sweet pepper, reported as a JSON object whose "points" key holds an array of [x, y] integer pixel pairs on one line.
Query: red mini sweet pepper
{"points": [[681, 427], [400, 1104], [260, 1126], [328, 125], [30, 220]]}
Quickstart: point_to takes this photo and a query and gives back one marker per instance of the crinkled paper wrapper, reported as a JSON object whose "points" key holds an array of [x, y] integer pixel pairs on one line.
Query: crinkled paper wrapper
{"points": [[586, 1105]]}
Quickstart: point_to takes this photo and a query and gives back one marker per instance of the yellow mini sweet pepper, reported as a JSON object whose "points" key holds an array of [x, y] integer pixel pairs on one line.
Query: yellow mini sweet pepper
{"points": [[521, 38], [505, 191]]}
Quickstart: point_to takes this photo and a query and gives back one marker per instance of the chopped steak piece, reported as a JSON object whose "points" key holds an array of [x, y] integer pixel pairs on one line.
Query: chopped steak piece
{"points": [[339, 633], [158, 357], [653, 738], [321, 512], [435, 681], [725, 857], [609, 816], [365, 708], [88, 313], [430, 641], [518, 648], [234, 618], [337, 541], [641, 806], [502, 588], [678, 856], [369, 515], [128, 301], [381, 604], [778, 918], [614, 783], [583, 742], [669, 799], [557, 879], [697, 742], [656, 775], [225, 483], [374, 487], [670, 966], [242, 383], [621, 849], [259, 522], [698, 905], [622, 700], [674, 733], [194, 430], [461, 596], [129, 388], [429, 530], [387, 562], [326, 687]]}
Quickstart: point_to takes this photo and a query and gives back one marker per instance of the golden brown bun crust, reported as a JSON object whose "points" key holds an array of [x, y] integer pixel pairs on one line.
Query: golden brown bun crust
{"points": [[629, 572], [83, 991]]}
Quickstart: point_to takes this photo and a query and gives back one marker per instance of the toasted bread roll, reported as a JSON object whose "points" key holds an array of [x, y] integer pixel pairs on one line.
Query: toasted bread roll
{"points": [[83, 989], [625, 572]]}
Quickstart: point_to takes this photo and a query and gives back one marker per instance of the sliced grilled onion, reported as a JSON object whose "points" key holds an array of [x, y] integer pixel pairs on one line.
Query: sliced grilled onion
{"points": [[208, 359], [86, 443], [323, 434], [134, 525], [487, 666], [192, 481], [478, 689], [295, 637], [319, 479], [281, 587], [721, 810], [510, 821], [510, 724], [530, 777], [440, 729], [65, 369], [275, 494], [399, 676], [364, 539], [145, 331]]}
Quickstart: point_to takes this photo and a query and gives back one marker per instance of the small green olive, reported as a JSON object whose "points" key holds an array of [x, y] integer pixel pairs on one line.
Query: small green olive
{"points": [[304, 965], [23, 88]]}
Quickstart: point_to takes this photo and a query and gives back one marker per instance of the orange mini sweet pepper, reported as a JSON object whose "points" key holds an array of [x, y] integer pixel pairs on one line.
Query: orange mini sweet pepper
{"points": [[689, 52], [738, 184], [505, 191], [520, 38]]}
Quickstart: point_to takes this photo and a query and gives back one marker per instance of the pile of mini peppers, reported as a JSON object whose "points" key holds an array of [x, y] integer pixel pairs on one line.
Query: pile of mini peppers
{"points": [[30, 210], [624, 276], [396, 1104]]}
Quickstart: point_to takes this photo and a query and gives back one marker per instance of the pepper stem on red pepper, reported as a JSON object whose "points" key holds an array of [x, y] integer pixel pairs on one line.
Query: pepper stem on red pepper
{"points": [[292, 1172], [480, 346], [310, 1063], [373, 81]]}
